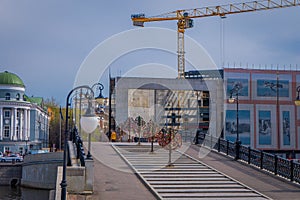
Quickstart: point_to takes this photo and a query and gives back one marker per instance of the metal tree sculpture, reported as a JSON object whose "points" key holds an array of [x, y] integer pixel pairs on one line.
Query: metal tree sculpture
{"points": [[169, 138], [129, 126], [151, 131]]}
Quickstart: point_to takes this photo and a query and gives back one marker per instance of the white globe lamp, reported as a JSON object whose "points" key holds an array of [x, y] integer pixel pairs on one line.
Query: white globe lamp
{"points": [[89, 123]]}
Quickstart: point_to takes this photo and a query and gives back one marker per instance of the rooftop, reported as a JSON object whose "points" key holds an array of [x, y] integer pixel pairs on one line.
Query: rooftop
{"points": [[8, 78]]}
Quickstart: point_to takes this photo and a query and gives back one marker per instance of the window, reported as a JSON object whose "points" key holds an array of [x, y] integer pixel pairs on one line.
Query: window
{"points": [[6, 131], [21, 150], [18, 97], [6, 113], [17, 131], [7, 96], [18, 114]]}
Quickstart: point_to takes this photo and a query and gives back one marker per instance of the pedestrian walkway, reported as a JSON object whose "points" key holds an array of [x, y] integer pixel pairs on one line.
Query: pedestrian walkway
{"points": [[185, 178], [114, 179], [262, 181]]}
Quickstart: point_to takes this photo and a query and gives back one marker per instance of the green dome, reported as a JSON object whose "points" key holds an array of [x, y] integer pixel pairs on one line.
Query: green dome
{"points": [[7, 78]]}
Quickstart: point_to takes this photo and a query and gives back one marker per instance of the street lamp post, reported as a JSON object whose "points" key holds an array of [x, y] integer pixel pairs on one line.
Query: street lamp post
{"points": [[197, 113], [89, 113], [129, 130], [171, 132], [236, 90], [89, 123], [140, 122], [297, 100], [64, 181], [100, 87], [152, 139]]}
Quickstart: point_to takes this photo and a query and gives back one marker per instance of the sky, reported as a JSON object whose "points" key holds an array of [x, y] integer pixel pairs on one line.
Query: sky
{"points": [[47, 42]]}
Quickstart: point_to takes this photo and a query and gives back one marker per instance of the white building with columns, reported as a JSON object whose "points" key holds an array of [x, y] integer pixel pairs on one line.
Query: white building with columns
{"points": [[24, 121]]}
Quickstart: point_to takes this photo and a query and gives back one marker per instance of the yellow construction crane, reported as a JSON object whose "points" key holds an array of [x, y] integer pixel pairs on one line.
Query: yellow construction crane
{"points": [[185, 18]]}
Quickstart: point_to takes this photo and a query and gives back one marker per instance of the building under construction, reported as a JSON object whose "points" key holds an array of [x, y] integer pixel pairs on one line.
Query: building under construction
{"points": [[266, 117]]}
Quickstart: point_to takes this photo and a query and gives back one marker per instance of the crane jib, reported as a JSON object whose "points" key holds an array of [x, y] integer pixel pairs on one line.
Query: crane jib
{"points": [[184, 18]]}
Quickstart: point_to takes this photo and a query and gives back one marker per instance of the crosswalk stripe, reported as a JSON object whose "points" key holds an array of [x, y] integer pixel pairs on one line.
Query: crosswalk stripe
{"points": [[187, 178]]}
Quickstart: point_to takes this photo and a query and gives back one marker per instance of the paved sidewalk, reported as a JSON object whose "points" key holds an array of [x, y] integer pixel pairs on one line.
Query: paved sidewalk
{"points": [[113, 177], [267, 184]]}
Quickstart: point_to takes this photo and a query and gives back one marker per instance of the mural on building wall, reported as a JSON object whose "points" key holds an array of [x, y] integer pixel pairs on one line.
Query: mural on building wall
{"points": [[286, 128], [244, 126], [231, 82], [268, 88], [265, 127], [138, 98]]}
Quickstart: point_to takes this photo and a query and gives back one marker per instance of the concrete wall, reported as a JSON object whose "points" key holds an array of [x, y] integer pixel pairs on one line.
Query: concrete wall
{"points": [[76, 180], [10, 173], [40, 170], [214, 86]]}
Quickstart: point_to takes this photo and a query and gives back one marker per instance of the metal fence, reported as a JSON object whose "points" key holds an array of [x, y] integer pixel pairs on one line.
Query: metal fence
{"points": [[265, 161], [76, 139]]}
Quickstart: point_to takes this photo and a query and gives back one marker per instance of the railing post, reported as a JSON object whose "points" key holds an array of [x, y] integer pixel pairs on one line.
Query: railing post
{"points": [[78, 149], [202, 137], [219, 144], [210, 141], [249, 155], [227, 148], [261, 159], [196, 139], [70, 135], [68, 156], [292, 170], [276, 165], [237, 150]]}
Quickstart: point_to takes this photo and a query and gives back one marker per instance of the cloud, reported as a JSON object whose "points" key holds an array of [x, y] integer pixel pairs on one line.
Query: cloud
{"points": [[52, 38]]}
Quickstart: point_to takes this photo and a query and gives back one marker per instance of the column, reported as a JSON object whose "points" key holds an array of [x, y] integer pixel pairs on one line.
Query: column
{"points": [[25, 124], [1, 123], [46, 129], [28, 124], [12, 123], [15, 137], [21, 132]]}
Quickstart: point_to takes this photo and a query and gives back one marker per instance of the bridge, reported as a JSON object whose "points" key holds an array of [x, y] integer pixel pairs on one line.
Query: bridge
{"points": [[131, 171]]}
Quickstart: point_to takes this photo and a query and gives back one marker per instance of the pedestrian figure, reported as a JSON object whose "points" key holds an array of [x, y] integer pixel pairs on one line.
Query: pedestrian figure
{"points": [[113, 136]]}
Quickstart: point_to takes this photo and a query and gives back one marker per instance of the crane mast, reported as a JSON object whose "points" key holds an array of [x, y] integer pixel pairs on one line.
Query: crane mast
{"points": [[185, 19], [182, 24]]}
